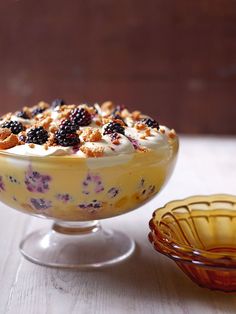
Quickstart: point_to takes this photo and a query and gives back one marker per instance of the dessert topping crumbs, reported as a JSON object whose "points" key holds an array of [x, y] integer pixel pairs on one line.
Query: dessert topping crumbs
{"points": [[89, 152], [172, 134], [91, 135]]}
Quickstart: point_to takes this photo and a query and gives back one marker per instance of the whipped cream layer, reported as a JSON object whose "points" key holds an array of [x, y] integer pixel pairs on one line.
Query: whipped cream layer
{"points": [[134, 139], [128, 144]]}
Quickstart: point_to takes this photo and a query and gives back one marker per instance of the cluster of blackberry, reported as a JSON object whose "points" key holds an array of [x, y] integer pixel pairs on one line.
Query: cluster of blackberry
{"points": [[15, 126], [66, 134], [80, 117], [37, 135], [114, 127]]}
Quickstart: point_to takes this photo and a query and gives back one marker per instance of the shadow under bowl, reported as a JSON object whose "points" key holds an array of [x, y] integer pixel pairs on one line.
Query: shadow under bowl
{"points": [[199, 234]]}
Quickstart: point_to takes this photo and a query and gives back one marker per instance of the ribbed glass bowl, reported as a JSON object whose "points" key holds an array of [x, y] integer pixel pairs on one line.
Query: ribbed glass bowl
{"points": [[199, 234], [76, 193]]}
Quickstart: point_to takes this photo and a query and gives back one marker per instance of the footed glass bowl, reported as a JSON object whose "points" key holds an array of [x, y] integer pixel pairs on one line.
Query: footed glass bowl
{"points": [[76, 193], [199, 234]]}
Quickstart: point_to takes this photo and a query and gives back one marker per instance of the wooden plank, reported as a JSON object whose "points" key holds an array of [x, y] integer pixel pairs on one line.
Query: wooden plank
{"points": [[12, 228], [147, 282]]}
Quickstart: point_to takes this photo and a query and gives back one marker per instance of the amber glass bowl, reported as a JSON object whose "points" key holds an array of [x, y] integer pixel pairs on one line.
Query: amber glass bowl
{"points": [[199, 234]]}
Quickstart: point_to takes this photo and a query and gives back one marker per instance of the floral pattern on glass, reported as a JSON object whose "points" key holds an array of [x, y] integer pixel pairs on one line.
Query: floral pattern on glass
{"points": [[92, 183], [145, 190], [113, 192], [64, 197], [36, 182], [92, 207], [40, 203]]}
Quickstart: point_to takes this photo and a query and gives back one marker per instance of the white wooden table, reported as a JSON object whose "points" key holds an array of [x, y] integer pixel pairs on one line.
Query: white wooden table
{"points": [[146, 283]]}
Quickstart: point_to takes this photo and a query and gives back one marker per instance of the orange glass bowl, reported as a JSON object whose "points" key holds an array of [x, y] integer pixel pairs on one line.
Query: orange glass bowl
{"points": [[199, 234]]}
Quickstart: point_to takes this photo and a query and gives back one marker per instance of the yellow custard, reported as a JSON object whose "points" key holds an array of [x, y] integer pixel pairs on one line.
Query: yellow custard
{"points": [[76, 189]]}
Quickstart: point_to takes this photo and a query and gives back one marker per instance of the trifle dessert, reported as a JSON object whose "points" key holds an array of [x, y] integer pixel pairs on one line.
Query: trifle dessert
{"points": [[77, 164], [80, 162]]}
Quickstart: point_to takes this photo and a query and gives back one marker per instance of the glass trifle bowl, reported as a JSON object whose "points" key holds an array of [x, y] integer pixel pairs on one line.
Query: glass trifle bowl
{"points": [[76, 193]]}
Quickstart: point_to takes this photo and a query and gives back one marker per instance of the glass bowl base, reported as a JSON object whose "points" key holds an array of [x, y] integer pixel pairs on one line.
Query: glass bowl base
{"points": [[76, 245]]}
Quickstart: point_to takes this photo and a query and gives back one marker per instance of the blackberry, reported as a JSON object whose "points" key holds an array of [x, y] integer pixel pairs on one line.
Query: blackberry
{"points": [[80, 117], [113, 127], [37, 136], [23, 115], [66, 139], [57, 103], [68, 126], [15, 126], [150, 122], [37, 111]]}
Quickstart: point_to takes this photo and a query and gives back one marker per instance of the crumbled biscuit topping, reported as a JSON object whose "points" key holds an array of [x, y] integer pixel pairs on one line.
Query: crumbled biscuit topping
{"points": [[112, 127], [89, 152], [91, 135]]}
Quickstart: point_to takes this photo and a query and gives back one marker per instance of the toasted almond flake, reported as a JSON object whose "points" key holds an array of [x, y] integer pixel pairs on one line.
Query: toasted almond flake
{"points": [[96, 152], [172, 134], [43, 105], [105, 120], [7, 139], [136, 115], [31, 145], [91, 110], [116, 141], [45, 146], [64, 115], [51, 140], [98, 123], [91, 135], [148, 132], [26, 109], [45, 123], [143, 149], [125, 113], [71, 107], [107, 106], [140, 126], [52, 129], [4, 133]]}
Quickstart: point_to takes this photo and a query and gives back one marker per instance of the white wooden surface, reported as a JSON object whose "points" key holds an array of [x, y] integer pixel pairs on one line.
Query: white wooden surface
{"points": [[147, 282]]}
